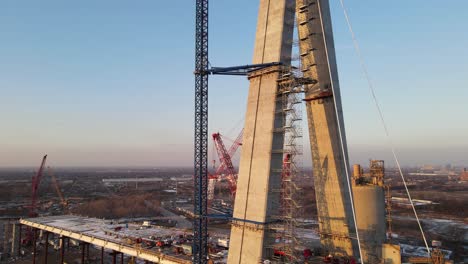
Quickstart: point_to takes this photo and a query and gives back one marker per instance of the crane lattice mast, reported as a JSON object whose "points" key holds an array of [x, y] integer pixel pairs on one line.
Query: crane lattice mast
{"points": [[200, 224]]}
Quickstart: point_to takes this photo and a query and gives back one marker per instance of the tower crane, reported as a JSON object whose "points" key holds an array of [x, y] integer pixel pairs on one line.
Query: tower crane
{"points": [[200, 180]]}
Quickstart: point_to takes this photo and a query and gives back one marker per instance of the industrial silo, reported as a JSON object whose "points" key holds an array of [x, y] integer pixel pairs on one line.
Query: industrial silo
{"points": [[369, 203]]}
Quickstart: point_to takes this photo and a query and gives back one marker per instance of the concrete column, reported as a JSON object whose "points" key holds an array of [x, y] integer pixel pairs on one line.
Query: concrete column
{"points": [[326, 128], [121, 258], [87, 251], [19, 238], [62, 249], [7, 236], [83, 253], [34, 231], [14, 241], [46, 248], [102, 255], [257, 201], [114, 257]]}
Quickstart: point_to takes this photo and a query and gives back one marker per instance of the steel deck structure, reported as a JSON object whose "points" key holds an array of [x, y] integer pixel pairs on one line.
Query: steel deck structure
{"points": [[90, 231]]}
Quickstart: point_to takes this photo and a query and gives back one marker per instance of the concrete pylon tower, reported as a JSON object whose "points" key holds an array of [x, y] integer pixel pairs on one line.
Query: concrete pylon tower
{"points": [[257, 202], [260, 167], [326, 128]]}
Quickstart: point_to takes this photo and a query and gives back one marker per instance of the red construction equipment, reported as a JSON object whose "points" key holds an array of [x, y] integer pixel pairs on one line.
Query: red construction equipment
{"points": [[232, 150], [225, 168], [226, 162], [285, 178], [36, 180], [286, 166]]}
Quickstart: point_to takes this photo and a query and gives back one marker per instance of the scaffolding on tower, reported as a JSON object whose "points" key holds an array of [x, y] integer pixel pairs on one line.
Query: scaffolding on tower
{"points": [[291, 86]]}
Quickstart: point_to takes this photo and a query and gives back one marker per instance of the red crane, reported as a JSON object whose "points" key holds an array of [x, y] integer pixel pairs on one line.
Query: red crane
{"points": [[36, 180], [226, 162], [232, 150], [222, 168]]}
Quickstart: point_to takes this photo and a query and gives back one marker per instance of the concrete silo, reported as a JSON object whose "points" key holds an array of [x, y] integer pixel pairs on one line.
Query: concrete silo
{"points": [[369, 203]]}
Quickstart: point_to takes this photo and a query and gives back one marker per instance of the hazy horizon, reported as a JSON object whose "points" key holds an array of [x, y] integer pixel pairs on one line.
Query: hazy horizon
{"points": [[459, 157]]}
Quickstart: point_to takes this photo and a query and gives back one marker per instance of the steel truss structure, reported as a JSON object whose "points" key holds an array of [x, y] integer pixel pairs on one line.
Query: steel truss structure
{"points": [[200, 223]]}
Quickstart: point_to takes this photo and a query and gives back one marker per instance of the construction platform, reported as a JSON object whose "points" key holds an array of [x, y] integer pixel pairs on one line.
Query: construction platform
{"points": [[129, 239]]}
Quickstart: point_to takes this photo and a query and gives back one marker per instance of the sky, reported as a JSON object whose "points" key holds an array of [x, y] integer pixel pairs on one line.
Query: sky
{"points": [[110, 82]]}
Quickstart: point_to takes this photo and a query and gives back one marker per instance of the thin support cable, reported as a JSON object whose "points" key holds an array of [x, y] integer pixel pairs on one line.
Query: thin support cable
{"points": [[340, 135], [377, 105]]}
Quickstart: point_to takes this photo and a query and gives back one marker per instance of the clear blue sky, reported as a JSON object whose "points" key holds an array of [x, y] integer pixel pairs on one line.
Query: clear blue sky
{"points": [[110, 82]]}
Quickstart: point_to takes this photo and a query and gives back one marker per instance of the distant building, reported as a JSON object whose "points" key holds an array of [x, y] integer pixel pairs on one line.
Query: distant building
{"points": [[464, 175], [405, 202], [448, 166], [427, 169], [131, 180]]}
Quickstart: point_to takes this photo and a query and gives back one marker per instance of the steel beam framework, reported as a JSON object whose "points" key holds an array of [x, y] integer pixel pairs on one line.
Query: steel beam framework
{"points": [[200, 225], [130, 250], [242, 70]]}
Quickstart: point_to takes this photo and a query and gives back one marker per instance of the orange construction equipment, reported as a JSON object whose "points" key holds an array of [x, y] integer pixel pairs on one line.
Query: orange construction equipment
{"points": [[63, 201]]}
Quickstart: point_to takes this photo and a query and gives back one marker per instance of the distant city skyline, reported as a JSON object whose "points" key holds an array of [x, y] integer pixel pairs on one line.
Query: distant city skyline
{"points": [[110, 83]]}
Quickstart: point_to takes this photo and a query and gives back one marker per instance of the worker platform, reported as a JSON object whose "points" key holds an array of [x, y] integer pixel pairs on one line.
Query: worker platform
{"points": [[129, 239]]}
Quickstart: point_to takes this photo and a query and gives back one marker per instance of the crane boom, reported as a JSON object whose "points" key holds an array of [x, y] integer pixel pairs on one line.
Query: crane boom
{"points": [[36, 180], [232, 150], [57, 188], [212, 178], [226, 159]]}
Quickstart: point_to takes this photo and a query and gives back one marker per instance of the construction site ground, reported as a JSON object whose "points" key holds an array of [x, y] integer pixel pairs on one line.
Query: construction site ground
{"points": [[89, 196]]}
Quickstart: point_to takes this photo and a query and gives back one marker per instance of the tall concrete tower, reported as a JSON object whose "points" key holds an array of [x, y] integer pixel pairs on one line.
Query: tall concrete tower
{"points": [[261, 160], [257, 203], [326, 128]]}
